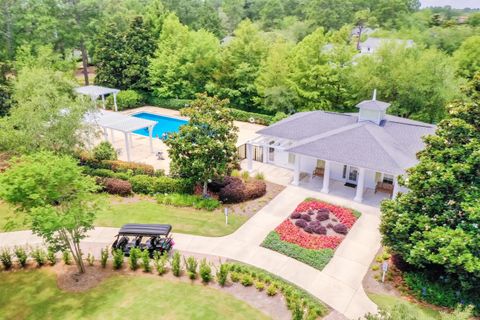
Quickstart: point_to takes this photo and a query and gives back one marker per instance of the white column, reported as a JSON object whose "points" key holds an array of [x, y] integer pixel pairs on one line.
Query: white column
{"points": [[296, 171], [249, 157], [103, 101], [395, 187], [265, 153], [105, 134], [130, 135], [115, 101], [326, 177], [127, 145], [150, 133], [360, 186], [111, 133]]}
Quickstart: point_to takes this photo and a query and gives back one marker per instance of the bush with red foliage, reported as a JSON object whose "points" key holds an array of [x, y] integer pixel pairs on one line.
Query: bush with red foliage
{"points": [[322, 216], [320, 230], [116, 186], [340, 228], [301, 223], [305, 217], [255, 189], [233, 192], [344, 215], [308, 229], [296, 215]]}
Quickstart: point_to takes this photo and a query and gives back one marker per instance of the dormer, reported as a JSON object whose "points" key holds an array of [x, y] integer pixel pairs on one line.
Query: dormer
{"points": [[372, 110]]}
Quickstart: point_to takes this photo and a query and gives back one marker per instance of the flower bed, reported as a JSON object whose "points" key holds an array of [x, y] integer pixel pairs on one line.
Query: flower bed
{"points": [[313, 227]]}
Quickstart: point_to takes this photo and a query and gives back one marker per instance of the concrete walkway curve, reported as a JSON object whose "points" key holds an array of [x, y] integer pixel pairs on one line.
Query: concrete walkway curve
{"points": [[340, 283]]}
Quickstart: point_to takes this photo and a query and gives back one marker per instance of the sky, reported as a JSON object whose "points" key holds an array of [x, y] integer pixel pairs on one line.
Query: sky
{"points": [[460, 4]]}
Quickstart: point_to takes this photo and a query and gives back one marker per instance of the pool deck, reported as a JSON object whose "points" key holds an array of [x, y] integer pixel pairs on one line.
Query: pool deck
{"points": [[140, 149]]}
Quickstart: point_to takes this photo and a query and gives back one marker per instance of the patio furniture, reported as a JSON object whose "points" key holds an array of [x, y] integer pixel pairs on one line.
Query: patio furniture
{"points": [[318, 172], [159, 155], [384, 187]]}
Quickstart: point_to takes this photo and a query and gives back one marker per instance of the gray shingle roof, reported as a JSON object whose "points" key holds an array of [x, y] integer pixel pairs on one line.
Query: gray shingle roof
{"points": [[375, 43], [390, 147]]}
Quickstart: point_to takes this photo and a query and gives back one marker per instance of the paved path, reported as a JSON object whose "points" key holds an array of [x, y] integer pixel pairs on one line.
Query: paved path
{"points": [[339, 284]]}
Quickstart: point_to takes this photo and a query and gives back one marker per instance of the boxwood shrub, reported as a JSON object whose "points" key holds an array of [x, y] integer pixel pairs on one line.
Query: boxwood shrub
{"points": [[245, 116], [152, 185], [315, 258]]}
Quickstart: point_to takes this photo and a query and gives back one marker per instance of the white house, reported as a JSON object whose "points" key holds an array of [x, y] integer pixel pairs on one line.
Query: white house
{"points": [[373, 44], [368, 149]]}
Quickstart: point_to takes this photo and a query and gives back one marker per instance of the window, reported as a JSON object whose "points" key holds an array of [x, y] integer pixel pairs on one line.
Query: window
{"points": [[344, 174], [388, 178]]}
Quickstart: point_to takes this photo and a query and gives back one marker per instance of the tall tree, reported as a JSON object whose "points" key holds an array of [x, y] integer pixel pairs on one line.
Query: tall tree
{"points": [[239, 66], [204, 148], [5, 91], [275, 93], [434, 226], [56, 195], [467, 57], [328, 13], [122, 56], [184, 61], [419, 83]]}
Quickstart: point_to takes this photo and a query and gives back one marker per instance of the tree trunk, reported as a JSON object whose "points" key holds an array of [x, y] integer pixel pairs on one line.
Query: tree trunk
{"points": [[205, 188], [84, 61], [75, 250], [360, 29]]}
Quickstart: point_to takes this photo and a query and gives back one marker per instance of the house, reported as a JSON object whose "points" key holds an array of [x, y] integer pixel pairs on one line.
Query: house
{"points": [[373, 44], [364, 150]]}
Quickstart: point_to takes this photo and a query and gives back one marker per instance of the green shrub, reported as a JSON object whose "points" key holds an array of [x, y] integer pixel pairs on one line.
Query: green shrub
{"points": [[234, 276], [117, 259], [143, 184], [259, 285], [222, 274], [104, 257], [245, 116], [66, 257], [260, 176], [38, 255], [205, 271], [176, 265], [187, 200], [272, 290], [6, 258], [153, 185], [247, 280], [90, 259], [160, 262], [51, 256], [191, 265], [443, 291], [146, 261], [315, 258], [245, 175], [126, 99], [126, 166], [235, 173], [21, 255], [133, 258], [104, 151]]}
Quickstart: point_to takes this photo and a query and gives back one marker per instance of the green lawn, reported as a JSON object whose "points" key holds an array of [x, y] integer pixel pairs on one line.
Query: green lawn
{"points": [[183, 220], [385, 301], [35, 295]]}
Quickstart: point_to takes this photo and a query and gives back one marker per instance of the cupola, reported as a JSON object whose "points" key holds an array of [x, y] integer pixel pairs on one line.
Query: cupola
{"points": [[372, 110]]}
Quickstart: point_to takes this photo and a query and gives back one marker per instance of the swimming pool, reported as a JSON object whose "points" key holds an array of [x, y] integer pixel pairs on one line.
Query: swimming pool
{"points": [[164, 124]]}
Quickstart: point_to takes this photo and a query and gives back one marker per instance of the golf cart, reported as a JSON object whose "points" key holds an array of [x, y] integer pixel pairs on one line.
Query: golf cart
{"points": [[153, 237]]}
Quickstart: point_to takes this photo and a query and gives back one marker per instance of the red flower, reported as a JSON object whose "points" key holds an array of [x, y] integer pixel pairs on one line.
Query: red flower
{"points": [[291, 233]]}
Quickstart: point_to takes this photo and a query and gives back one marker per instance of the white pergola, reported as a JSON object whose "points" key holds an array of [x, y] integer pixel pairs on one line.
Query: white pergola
{"points": [[265, 142], [120, 122], [95, 92]]}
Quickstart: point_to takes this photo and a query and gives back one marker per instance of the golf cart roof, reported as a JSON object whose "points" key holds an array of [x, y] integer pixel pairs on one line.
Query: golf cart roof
{"points": [[134, 229]]}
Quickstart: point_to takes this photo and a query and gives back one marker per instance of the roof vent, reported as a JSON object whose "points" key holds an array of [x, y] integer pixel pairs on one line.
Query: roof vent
{"points": [[372, 110]]}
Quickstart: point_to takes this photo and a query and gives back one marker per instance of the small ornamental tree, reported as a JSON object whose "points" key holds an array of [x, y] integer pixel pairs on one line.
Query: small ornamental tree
{"points": [[204, 148], [435, 226], [56, 195]]}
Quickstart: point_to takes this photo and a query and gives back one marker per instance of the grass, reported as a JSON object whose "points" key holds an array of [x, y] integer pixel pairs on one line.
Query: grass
{"points": [[384, 301], [183, 220], [35, 295]]}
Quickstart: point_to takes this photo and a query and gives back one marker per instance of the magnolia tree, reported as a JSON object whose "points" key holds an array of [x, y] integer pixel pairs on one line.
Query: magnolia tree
{"points": [[205, 147], [56, 195], [435, 227]]}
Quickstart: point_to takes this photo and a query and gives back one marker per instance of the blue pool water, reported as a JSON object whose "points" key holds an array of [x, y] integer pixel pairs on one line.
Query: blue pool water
{"points": [[164, 124]]}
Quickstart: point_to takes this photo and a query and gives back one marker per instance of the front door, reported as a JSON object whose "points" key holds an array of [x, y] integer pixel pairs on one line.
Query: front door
{"points": [[352, 174]]}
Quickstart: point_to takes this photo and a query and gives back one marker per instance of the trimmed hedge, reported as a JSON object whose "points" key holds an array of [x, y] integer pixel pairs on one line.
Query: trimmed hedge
{"points": [[136, 168], [314, 258], [127, 99], [175, 104], [187, 200], [153, 185], [245, 116]]}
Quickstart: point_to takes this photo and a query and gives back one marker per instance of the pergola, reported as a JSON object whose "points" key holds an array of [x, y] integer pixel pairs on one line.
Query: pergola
{"points": [[120, 122], [94, 92], [265, 142]]}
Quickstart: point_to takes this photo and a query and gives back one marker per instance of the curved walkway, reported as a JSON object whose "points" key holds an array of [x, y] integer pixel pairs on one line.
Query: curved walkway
{"points": [[339, 285]]}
